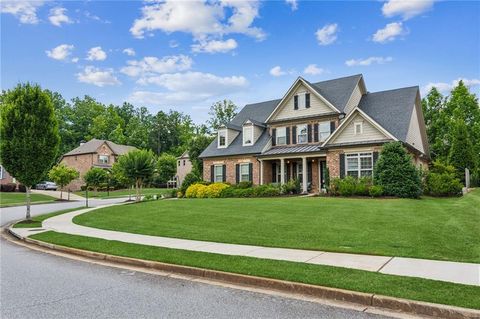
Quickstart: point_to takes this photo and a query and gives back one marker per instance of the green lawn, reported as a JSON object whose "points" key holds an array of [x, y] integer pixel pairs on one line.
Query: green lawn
{"points": [[432, 228], [36, 221], [364, 281], [124, 193], [14, 199]]}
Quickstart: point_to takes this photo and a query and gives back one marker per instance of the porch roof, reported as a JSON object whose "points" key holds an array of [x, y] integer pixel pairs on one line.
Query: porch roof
{"points": [[291, 150]]}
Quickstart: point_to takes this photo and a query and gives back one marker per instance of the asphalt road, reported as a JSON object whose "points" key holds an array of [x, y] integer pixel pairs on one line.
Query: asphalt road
{"points": [[39, 285]]}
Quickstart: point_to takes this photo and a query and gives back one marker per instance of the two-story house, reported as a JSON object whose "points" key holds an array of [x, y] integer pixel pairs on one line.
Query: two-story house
{"points": [[335, 124], [94, 153]]}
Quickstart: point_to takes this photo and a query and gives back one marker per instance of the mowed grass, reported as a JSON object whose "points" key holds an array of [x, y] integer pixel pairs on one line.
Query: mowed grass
{"points": [[351, 279], [124, 192], [431, 228], [36, 221], [15, 199]]}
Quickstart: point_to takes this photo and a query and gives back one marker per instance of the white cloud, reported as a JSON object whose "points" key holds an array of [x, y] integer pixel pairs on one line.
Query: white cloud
{"points": [[293, 4], [277, 71], [57, 16], [91, 16], [406, 8], [199, 18], [313, 69], [75, 60], [96, 54], [389, 33], [60, 52], [215, 46], [327, 35], [152, 65], [445, 88], [97, 76], [129, 51], [25, 11], [368, 61]]}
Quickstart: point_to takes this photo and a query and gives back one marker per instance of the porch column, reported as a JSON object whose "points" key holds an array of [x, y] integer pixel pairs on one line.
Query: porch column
{"points": [[304, 175], [282, 171], [261, 172]]}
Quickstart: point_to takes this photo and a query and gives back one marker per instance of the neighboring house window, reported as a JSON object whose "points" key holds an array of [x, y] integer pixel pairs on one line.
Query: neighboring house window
{"points": [[103, 159], [222, 138], [218, 177], [178, 163], [183, 162], [244, 172], [359, 164], [323, 131], [1, 172], [281, 136], [358, 127], [302, 134], [247, 135]]}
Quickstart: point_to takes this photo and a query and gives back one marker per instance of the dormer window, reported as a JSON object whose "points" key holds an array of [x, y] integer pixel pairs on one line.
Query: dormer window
{"points": [[358, 128], [302, 134], [222, 138], [247, 135]]}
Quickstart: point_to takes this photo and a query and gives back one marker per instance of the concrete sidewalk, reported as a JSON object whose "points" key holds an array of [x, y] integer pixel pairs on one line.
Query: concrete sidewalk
{"points": [[456, 272], [57, 194]]}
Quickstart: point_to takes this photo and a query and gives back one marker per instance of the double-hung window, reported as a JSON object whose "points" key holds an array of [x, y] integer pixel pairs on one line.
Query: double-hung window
{"points": [[323, 131], [103, 159], [218, 173], [245, 172], [247, 135], [359, 164], [222, 138], [302, 134], [281, 136]]}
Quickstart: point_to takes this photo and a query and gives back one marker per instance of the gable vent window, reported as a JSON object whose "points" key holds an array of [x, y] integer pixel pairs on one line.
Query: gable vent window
{"points": [[222, 138], [247, 135], [307, 100], [302, 134], [358, 128]]}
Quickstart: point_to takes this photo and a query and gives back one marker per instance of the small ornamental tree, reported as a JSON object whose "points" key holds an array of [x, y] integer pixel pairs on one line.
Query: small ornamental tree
{"points": [[166, 167], [29, 135], [138, 165], [95, 177], [395, 172], [62, 175], [119, 175]]}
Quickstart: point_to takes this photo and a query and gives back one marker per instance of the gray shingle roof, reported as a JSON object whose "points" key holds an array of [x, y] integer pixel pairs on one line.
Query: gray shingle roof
{"points": [[236, 147], [292, 149], [337, 91], [92, 146], [391, 109]]}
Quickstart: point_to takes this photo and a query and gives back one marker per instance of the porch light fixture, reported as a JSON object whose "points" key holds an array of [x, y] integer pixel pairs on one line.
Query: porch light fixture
{"points": [[341, 116]]}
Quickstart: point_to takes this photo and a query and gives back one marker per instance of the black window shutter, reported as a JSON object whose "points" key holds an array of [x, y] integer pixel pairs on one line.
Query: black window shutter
{"points": [[250, 172], [375, 157], [342, 165], [287, 168], [307, 100], [237, 173], [309, 172], [309, 133], [224, 173], [332, 126], [287, 130], [294, 135], [212, 173], [274, 172], [315, 132], [274, 136], [295, 102]]}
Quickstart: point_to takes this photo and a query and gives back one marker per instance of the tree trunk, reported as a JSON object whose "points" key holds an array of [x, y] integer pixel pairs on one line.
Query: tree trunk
{"points": [[61, 193], [137, 186], [27, 217], [130, 193]]}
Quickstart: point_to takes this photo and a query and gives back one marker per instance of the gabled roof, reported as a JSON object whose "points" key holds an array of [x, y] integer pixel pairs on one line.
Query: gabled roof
{"points": [[338, 91], [236, 147], [92, 146], [257, 112], [184, 155]]}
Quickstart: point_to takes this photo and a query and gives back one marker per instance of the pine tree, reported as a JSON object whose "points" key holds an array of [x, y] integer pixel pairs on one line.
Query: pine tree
{"points": [[461, 154]]}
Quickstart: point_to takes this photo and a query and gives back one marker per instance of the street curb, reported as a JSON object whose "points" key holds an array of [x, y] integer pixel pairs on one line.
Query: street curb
{"points": [[364, 299]]}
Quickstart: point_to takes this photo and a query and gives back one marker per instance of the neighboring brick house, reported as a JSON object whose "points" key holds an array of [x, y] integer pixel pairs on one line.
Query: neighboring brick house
{"points": [[94, 153], [5, 177], [336, 124], [184, 166]]}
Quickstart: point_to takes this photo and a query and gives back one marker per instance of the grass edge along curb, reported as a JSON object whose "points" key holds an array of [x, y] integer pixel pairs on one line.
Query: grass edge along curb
{"points": [[362, 298]]}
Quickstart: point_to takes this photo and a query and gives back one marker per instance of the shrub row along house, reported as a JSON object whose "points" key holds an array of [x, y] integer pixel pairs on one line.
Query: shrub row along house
{"points": [[336, 125]]}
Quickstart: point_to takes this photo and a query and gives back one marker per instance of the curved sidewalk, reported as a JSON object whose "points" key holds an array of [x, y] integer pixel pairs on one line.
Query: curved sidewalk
{"points": [[456, 272]]}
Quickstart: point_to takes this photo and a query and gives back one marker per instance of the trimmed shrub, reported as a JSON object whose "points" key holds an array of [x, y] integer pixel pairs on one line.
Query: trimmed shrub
{"points": [[442, 181], [395, 172], [192, 190], [190, 179], [334, 186], [244, 184], [347, 186], [268, 190], [363, 186], [291, 187], [202, 191], [214, 190], [8, 187], [375, 191]]}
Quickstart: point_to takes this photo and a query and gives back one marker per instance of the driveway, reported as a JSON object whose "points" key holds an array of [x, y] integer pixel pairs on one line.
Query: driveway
{"points": [[56, 194]]}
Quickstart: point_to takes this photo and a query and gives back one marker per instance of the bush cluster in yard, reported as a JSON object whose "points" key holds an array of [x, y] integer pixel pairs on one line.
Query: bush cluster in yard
{"points": [[291, 187], [442, 180], [8, 187], [350, 186], [216, 190], [190, 179], [267, 190], [201, 190]]}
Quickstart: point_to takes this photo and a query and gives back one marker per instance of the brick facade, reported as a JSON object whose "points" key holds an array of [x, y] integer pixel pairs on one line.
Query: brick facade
{"points": [[231, 167]]}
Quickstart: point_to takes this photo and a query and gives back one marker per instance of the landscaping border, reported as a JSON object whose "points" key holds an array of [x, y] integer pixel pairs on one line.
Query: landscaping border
{"points": [[342, 295]]}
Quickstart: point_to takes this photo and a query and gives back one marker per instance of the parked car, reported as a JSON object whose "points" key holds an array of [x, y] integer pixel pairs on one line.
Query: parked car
{"points": [[49, 186]]}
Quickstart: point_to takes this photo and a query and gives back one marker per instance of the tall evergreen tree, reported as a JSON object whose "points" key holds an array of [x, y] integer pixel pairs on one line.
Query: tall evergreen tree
{"points": [[461, 154]]}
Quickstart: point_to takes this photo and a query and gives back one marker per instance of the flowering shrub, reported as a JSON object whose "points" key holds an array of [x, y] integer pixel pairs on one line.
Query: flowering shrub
{"points": [[202, 191], [214, 190], [192, 190], [199, 190]]}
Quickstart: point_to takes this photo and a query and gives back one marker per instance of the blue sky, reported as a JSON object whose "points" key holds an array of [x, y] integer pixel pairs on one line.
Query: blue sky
{"points": [[186, 55]]}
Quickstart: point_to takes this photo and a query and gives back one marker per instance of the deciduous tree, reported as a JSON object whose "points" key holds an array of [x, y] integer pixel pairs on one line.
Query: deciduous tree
{"points": [[221, 113], [62, 175]]}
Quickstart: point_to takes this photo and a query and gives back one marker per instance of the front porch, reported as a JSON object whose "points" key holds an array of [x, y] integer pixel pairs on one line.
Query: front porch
{"points": [[309, 169]]}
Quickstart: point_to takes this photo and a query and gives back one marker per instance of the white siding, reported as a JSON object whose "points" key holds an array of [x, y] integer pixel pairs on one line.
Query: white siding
{"points": [[257, 131], [414, 137], [354, 99], [231, 135], [347, 135], [286, 110]]}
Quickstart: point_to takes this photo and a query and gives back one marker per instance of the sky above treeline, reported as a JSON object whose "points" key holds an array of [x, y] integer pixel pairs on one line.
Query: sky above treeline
{"points": [[185, 55]]}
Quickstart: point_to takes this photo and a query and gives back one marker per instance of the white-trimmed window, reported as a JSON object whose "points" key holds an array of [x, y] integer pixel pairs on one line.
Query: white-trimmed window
{"points": [[222, 138], [248, 135], [302, 134], [323, 131], [359, 164], [281, 135], [245, 172], [103, 159], [358, 128], [218, 173]]}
